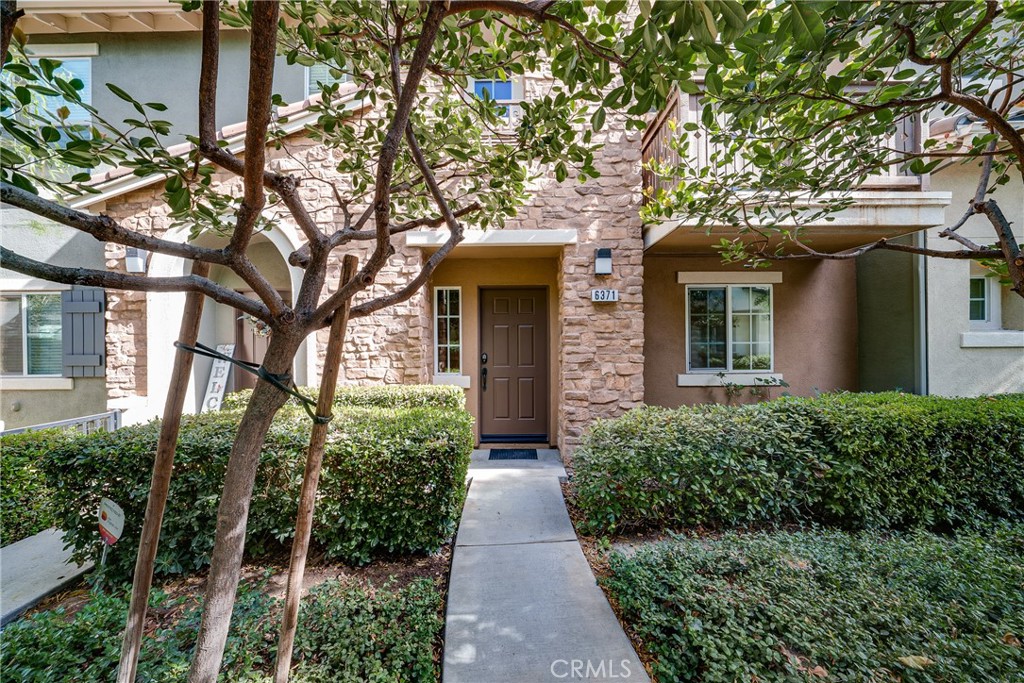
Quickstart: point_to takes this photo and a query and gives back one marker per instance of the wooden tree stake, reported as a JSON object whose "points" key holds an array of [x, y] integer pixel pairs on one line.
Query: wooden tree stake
{"points": [[311, 479], [158, 489]]}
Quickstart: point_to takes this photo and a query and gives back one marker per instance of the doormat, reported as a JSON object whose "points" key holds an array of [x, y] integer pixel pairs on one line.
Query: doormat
{"points": [[513, 454]]}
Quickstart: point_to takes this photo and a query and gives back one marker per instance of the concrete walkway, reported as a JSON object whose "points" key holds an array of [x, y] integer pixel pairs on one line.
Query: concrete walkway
{"points": [[32, 569], [523, 605]]}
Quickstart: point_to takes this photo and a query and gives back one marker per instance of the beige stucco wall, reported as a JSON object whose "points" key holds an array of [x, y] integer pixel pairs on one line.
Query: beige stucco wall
{"points": [[815, 327], [472, 274], [25, 408], [955, 370]]}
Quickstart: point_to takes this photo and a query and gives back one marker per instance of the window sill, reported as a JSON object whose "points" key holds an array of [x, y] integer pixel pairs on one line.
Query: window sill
{"points": [[995, 339], [37, 383], [700, 379], [453, 380]]}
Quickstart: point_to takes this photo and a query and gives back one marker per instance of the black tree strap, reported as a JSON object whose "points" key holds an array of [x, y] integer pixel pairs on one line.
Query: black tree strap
{"points": [[283, 382]]}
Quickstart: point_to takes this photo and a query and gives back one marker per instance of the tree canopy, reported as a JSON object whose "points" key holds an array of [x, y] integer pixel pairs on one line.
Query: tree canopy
{"points": [[799, 124]]}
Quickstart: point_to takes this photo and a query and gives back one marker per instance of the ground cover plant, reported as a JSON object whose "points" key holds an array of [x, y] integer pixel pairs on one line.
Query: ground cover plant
{"points": [[348, 632], [856, 461], [393, 481], [805, 606]]}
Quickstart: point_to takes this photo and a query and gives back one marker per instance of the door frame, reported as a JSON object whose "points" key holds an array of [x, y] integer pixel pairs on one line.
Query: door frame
{"points": [[517, 438]]}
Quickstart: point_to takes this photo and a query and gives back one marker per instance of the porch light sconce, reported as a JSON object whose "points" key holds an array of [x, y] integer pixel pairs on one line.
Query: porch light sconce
{"points": [[603, 262], [135, 260]]}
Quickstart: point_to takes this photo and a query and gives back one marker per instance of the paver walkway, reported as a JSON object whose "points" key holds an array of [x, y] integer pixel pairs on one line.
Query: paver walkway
{"points": [[33, 568], [523, 605]]}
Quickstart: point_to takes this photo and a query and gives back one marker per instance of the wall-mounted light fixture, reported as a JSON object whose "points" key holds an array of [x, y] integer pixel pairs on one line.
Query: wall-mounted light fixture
{"points": [[603, 262], [135, 259]]}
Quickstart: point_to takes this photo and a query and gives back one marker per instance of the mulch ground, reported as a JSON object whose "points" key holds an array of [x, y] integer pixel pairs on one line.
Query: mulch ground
{"points": [[397, 572]]}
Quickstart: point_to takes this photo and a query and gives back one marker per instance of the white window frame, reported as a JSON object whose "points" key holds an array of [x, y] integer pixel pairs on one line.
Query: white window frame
{"points": [[514, 113], [728, 370], [23, 295], [437, 355], [993, 304], [310, 88]]}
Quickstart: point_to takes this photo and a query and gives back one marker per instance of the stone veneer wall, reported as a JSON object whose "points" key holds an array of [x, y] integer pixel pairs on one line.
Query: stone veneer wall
{"points": [[389, 346], [601, 346]]}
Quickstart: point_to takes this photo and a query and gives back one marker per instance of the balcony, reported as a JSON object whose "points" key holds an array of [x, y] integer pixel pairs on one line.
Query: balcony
{"points": [[888, 204]]}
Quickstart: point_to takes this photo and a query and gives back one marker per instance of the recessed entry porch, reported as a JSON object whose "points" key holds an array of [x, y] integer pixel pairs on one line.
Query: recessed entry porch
{"points": [[495, 330]]}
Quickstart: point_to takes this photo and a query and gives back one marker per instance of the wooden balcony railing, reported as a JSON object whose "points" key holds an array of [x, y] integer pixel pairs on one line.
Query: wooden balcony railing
{"points": [[683, 108]]}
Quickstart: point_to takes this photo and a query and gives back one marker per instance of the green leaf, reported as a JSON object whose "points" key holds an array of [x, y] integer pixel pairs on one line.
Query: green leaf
{"points": [[120, 93], [806, 26], [714, 83], [597, 120]]}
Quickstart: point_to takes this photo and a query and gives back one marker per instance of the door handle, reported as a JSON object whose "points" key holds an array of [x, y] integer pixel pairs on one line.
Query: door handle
{"points": [[483, 374]]}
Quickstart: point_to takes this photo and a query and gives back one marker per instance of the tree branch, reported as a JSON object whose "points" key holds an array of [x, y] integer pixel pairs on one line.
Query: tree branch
{"points": [[105, 228], [135, 283]]}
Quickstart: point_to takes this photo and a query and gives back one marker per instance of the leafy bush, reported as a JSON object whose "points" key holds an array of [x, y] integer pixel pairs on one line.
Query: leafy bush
{"points": [[25, 499], [851, 460], [828, 606], [393, 481], [385, 396], [346, 633]]}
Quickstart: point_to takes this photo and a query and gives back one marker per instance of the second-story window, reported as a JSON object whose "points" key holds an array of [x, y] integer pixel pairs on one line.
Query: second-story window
{"points": [[320, 75], [70, 69], [503, 93]]}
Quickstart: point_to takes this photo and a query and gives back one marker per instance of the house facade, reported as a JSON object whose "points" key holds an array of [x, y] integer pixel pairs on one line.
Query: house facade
{"points": [[575, 310]]}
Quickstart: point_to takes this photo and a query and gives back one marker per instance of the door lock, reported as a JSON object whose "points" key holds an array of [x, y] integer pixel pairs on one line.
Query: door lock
{"points": [[483, 358]]}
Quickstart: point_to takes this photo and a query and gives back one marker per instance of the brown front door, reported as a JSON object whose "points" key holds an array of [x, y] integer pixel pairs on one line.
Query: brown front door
{"points": [[514, 365]]}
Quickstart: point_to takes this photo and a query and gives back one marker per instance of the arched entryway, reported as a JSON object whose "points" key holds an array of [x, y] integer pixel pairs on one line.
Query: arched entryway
{"points": [[220, 323]]}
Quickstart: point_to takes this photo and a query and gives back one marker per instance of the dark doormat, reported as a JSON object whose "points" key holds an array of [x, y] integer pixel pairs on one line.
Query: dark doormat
{"points": [[513, 454]]}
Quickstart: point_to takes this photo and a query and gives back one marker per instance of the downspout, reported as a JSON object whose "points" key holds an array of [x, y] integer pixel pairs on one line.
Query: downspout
{"points": [[921, 316]]}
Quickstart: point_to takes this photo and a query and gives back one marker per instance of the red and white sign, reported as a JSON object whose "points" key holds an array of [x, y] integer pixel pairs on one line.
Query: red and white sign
{"points": [[111, 521]]}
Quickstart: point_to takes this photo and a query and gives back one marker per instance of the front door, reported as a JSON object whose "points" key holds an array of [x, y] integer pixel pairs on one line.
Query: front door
{"points": [[514, 365]]}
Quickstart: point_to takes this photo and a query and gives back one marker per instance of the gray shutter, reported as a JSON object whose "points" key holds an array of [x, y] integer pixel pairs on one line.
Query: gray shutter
{"points": [[84, 332]]}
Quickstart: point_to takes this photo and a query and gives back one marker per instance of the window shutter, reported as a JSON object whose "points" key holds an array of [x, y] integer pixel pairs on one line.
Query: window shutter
{"points": [[84, 332]]}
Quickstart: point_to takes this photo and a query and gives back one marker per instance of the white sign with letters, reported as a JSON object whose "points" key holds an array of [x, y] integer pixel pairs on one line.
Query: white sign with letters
{"points": [[218, 379], [604, 295]]}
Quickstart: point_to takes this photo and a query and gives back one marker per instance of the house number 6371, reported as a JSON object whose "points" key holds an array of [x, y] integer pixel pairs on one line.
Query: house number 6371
{"points": [[604, 295]]}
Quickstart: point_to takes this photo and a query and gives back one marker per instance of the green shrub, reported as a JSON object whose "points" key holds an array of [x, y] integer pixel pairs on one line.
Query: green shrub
{"points": [[25, 499], [393, 482], [851, 460], [828, 606], [384, 396], [346, 633]]}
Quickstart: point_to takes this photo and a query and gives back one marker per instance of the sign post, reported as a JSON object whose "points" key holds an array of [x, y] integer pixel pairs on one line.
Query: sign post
{"points": [[111, 520]]}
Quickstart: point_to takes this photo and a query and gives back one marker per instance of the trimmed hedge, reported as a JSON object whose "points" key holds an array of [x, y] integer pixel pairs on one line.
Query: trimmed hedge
{"points": [[393, 482], [831, 606], [850, 460], [26, 505], [385, 396], [347, 633]]}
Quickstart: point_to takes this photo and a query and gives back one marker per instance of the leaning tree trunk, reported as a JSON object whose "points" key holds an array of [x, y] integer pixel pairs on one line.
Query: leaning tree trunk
{"points": [[163, 465], [233, 513]]}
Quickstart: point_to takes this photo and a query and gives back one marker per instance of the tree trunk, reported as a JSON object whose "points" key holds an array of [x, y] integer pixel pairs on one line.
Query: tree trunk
{"points": [[233, 513], [163, 464], [311, 479]]}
